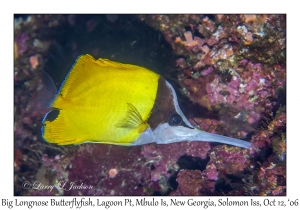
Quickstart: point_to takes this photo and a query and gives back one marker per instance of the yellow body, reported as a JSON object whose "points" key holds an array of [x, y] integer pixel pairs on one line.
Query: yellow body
{"points": [[96, 100]]}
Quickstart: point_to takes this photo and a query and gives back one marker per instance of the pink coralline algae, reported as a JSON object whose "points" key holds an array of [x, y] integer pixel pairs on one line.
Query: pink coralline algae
{"points": [[229, 160], [207, 71], [164, 157], [235, 72], [244, 90], [272, 179], [133, 176], [265, 139], [217, 68], [20, 43], [211, 172], [103, 169], [193, 183]]}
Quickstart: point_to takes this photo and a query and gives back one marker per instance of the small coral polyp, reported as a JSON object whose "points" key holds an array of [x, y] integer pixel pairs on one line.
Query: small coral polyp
{"points": [[189, 39]]}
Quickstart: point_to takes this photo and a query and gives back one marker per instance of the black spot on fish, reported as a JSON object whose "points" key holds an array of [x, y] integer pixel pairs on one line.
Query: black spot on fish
{"points": [[52, 115]]}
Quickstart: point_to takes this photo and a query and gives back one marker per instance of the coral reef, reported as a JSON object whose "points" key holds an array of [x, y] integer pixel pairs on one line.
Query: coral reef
{"points": [[271, 179], [229, 70], [233, 68], [229, 160], [193, 183], [101, 170], [229, 48], [164, 157]]}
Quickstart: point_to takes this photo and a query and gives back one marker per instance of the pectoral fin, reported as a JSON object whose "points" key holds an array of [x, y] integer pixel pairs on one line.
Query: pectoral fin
{"points": [[133, 120]]}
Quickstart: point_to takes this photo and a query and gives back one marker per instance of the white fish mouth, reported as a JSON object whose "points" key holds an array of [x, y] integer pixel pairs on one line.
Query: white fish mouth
{"points": [[166, 134]]}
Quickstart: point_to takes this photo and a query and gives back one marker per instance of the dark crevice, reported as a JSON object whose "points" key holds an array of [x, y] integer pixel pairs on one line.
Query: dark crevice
{"points": [[192, 163]]}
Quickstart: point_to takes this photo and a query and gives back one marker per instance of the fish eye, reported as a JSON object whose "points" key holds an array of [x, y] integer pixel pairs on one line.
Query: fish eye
{"points": [[175, 120]]}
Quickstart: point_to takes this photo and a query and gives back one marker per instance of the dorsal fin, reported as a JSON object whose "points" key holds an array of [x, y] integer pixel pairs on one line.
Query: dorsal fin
{"points": [[85, 67], [46, 93], [79, 71]]}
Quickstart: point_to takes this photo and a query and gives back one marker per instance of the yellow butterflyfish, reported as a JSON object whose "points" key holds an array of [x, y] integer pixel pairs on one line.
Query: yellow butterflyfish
{"points": [[103, 101]]}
